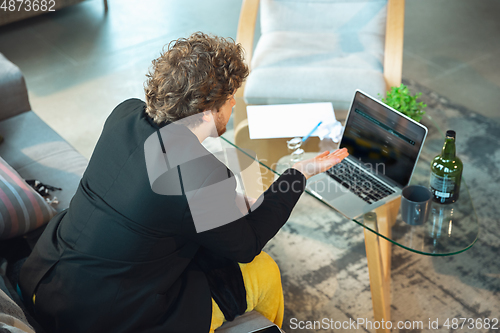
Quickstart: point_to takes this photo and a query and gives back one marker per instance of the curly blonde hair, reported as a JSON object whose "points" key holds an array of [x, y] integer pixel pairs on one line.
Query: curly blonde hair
{"points": [[195, 74]]}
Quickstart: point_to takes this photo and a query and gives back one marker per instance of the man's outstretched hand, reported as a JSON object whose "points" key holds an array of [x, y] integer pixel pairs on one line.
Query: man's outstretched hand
{"points": [[320, 163]]}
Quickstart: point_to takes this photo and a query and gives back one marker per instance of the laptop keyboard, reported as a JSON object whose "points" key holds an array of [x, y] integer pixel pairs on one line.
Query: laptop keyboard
{"points": [[359, 182]]}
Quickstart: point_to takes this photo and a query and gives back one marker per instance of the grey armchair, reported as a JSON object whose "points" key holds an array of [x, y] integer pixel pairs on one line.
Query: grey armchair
{"points": [[317, 50], [322, 50]]}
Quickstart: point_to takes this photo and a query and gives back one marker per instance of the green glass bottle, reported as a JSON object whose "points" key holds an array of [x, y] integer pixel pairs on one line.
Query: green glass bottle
{"points": [[446, 172]]}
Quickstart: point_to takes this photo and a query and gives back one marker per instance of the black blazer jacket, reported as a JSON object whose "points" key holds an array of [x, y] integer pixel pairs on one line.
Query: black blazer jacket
{"points": [[120, 259]]}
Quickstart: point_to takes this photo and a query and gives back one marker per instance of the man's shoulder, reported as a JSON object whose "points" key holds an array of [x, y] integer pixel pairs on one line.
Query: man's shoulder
{"points": [[131, 103], [130, 107]]}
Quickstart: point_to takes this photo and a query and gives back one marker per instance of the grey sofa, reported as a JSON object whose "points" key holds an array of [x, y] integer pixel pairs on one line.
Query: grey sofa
{"points": [[30, 146], [35, 151]]}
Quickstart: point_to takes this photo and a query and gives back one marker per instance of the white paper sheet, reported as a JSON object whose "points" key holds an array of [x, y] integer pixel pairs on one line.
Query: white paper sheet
{"points": [[287, 120]]}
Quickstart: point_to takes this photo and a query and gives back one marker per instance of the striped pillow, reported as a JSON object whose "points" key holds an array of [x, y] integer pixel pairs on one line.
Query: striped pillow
{"points": [[21, 208]]}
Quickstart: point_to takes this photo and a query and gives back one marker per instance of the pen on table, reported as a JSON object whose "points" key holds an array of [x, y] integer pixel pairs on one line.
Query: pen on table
{"points": [[310, 133]]}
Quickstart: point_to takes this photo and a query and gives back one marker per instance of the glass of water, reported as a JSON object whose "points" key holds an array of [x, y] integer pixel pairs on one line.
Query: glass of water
{"points": [[294, 147]]}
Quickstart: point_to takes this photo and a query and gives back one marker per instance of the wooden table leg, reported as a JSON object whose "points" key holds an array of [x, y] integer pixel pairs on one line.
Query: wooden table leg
{"points": [[378, 255]]}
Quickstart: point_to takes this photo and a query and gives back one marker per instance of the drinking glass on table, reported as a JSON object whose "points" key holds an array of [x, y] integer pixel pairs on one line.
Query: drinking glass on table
{"points": [[297, 153]]}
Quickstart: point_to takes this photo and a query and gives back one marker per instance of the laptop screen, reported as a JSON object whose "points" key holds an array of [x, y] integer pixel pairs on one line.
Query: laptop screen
{"points": [[384, 141]]}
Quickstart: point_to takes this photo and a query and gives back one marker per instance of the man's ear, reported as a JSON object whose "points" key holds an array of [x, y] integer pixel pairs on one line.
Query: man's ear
{"points": [[207, 116]]}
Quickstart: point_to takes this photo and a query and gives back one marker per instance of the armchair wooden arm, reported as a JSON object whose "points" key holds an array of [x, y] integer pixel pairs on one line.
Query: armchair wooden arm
{"points": [[246, 32], [394, 35]]}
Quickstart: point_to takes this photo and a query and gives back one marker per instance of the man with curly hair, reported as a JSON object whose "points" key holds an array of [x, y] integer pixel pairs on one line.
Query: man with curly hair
{"points": [[124, 258]]}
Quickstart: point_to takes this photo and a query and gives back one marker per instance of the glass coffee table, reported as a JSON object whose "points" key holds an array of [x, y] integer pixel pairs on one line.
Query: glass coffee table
{"points": [[450, 229]]}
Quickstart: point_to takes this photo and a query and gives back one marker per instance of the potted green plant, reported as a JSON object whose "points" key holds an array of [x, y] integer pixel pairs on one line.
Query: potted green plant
{"points": [[403, 101]]}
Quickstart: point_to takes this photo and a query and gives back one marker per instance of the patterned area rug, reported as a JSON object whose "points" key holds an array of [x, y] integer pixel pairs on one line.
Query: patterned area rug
{"points": [[323, 261]]}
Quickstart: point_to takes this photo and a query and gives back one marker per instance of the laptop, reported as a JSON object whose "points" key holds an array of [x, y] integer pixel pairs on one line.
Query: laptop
{"points": [[384, 146]]}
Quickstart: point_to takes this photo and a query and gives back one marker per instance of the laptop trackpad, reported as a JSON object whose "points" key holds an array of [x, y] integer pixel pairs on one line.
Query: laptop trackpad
{"points": [[328, 190]]}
